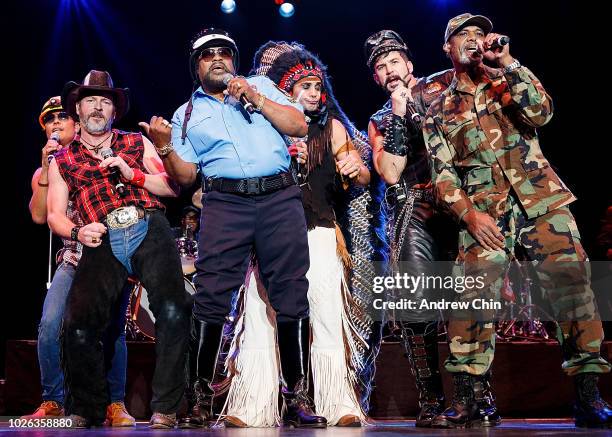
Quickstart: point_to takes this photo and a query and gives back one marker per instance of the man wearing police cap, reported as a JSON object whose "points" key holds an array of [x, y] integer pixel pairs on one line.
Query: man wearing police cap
{"points": [[489, 171], [251, 203]]}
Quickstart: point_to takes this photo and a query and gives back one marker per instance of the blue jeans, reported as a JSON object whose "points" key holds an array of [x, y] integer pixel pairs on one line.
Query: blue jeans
{"points": [[51, 376], [125, 241]]}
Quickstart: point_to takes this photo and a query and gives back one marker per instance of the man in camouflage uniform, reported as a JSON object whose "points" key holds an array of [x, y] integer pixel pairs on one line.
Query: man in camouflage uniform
{"points": [[489, 170], [419, 235]]}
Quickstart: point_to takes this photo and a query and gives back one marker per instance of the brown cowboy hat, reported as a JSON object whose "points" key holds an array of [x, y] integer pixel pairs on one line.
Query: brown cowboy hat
{"points": [[96, 83]]}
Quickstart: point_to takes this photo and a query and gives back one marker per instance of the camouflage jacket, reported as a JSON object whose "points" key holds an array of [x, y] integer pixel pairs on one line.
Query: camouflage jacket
{"points": [[483, 142]]}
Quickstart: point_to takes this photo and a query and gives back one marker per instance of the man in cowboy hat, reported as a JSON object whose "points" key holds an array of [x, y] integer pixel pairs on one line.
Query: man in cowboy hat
{"points": [[489, 171], [60, 129], [251, 202], [125, 233]]}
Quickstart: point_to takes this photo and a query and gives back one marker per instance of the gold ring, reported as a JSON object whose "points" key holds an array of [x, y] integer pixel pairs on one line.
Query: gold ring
{"points": [[94, 240]]}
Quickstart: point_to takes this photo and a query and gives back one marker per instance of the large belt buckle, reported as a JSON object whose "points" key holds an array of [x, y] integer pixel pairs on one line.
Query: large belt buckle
{"points": [[123, 217], [207, 184], [252, 185]]}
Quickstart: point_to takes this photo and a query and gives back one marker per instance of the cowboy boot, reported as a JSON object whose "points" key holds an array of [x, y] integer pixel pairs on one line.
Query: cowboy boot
{"points": [[294, 350], [422, 353], [489, 416], [204, 346], [590, 411], [463, 411]]}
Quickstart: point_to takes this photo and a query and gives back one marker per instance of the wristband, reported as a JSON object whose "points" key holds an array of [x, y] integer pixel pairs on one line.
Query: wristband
{"points": [[74, 233], [138, 179], [396, 136]]}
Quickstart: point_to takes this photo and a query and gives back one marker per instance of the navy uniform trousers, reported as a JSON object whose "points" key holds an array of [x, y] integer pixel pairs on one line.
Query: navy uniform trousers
{"points": [[232, 225]]}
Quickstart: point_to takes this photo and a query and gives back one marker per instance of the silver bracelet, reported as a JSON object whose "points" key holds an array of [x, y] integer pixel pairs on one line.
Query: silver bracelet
{"points": [[508, 68]]}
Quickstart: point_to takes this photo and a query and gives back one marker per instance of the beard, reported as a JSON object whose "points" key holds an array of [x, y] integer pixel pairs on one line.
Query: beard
{"points": [[98, 125], [467, 58], [213, 81]]}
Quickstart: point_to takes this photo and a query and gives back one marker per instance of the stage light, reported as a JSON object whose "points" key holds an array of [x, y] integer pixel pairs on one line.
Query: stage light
{"points": [[286, 10], [228, 6]]}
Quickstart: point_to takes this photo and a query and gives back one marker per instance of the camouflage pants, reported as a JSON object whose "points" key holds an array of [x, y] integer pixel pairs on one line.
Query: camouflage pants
{"points": [[552, 242]]}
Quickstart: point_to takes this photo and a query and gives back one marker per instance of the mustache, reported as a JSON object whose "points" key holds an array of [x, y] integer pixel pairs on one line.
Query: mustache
{"points": [[219, 64], [465, 46], [395, 77], [96, 114]]}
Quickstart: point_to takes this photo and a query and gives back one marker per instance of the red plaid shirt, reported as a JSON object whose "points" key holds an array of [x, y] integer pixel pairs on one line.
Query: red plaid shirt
{"points": [[89, 185]]}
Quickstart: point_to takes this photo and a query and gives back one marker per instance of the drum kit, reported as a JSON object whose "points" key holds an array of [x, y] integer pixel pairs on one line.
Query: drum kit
{"points": [[140, 318]]}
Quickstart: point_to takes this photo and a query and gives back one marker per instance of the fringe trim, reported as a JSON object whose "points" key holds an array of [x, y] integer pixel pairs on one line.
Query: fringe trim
{"points": [[342, 250], [335, 372], [254, 391], [334, 385], [319, 140], [252, 372], [355, 344]]}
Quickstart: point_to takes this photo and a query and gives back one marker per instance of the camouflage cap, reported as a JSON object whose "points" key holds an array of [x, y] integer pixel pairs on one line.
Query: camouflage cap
{"points": [[467, 19]]}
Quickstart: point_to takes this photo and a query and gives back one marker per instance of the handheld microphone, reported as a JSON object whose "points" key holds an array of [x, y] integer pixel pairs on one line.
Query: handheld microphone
{"points": [[499, 42], [248, 106], [301, 172], [115, 176], [413, 114], [55, 136]]}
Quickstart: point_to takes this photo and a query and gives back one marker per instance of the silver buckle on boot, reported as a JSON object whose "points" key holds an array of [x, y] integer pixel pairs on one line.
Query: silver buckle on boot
{"points": [[123, 217]]}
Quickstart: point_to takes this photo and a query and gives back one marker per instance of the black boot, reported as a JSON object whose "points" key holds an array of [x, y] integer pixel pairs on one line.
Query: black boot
{"points": [[463, 412], [204, 347], [422, 352], [489, 416], [294, 350], [591, 411]]}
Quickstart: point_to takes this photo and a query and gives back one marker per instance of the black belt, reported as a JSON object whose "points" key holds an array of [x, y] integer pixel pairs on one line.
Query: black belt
{"points": [[250, 186]]}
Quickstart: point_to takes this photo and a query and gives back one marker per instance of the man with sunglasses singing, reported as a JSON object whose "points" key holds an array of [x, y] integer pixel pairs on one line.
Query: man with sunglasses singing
{"points": [[251, 203], [60, 129]]}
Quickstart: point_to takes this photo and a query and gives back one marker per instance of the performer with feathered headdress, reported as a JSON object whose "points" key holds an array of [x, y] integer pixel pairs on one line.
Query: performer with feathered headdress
{"points": [[339, 324]]}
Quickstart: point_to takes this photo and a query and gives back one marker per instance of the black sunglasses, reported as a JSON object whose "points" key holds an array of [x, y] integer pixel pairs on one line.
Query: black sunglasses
{"points": [[50, 117], [210, 53]]}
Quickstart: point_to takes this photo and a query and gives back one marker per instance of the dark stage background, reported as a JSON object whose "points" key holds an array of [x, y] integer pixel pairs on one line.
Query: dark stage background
{"points": [[143, 44]]}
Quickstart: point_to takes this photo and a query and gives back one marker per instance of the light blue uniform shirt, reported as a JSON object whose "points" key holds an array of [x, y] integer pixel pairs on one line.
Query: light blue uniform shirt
{"points": [[227, 142]]}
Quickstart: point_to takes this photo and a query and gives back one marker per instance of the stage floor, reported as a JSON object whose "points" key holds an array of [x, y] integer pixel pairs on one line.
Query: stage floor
{"points": [[380, 428]]}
